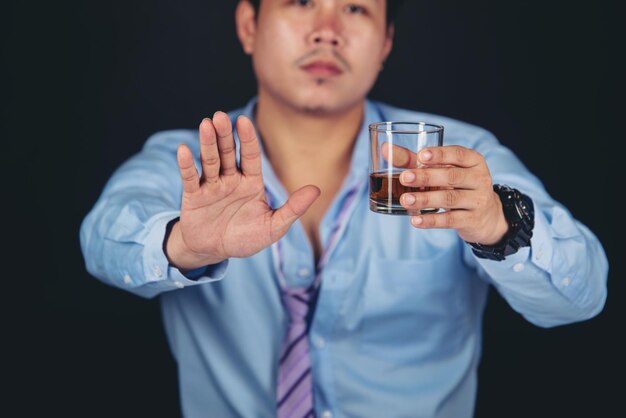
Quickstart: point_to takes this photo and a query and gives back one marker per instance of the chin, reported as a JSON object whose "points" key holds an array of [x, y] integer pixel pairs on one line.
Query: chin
{"points": [[319, 109], [324, 105], [324, 99]]}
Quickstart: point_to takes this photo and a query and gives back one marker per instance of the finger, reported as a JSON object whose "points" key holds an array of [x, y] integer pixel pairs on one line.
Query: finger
{"points": [[296, 205], [225, 143], [399, 156], [452, 154], [454, 219], [188, 172], [457, 177], [209, 154], [448, 199], [250, 149]]}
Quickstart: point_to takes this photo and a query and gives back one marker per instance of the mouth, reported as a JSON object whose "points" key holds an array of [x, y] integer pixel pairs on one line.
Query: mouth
{"points": [[322, 68]]}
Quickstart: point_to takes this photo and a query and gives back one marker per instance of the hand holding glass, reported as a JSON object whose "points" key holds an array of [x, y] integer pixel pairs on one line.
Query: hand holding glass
{"points": [[393, 149]]}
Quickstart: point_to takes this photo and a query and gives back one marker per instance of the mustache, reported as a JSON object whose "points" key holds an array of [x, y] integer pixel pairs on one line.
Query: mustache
{"points": [[321, 51]]}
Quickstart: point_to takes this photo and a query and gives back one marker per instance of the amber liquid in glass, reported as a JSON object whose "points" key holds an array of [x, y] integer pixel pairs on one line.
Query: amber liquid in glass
{"points": [[385, 192]]}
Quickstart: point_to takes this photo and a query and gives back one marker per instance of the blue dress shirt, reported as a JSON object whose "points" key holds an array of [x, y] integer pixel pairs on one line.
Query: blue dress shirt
{"points": [[397, 327]]}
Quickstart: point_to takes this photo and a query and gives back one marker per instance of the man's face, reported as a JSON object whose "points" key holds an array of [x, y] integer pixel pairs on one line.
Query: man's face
{"points": [[320, 56]]}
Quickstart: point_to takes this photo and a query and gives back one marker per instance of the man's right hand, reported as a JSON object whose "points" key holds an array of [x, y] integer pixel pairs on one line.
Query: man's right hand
{"points": [[224, 212]]}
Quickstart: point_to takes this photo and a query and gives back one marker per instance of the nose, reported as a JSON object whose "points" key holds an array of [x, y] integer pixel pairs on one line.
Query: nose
{"points": [[326, 38], [326, 30]]}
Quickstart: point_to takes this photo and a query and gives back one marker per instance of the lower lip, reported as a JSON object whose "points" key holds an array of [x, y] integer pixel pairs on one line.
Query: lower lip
{"points": [[322, 70]]}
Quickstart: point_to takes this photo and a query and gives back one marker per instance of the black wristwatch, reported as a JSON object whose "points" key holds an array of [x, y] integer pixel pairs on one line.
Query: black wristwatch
{"points": [[520, 215]]}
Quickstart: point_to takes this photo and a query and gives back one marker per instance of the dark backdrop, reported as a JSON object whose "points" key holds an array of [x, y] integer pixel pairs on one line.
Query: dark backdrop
{"points": [[85, 83]]}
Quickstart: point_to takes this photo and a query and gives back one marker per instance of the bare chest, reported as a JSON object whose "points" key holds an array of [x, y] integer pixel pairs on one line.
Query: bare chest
{"points": [[311, 221], [312, 218]]}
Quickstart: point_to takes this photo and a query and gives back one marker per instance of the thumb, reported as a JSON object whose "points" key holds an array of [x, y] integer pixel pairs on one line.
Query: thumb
{"points": [[294, 207]]}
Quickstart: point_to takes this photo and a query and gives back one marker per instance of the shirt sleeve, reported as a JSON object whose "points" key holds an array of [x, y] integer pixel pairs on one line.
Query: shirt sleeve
{"points": [[561, 278], [122, 236]]}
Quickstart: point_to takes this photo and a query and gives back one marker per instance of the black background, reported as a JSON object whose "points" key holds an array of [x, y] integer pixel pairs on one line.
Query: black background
{"points": [[85, 83]]}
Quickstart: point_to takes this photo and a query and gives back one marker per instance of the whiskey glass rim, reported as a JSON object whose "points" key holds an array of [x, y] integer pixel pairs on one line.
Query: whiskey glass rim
{"points": [[412, 127]]}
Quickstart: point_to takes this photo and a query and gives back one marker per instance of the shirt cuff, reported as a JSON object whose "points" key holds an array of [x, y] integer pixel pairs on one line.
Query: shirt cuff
{"points": [[511, 263], [157, 269], [538, 253], [542, 247]]}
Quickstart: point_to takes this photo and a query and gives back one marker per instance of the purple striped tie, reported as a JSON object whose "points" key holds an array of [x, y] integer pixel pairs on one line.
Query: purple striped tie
{"points": [[295, 385]]}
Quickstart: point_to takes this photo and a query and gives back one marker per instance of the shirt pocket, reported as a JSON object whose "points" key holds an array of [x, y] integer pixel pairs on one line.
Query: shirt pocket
{"points": [[415, 309]]}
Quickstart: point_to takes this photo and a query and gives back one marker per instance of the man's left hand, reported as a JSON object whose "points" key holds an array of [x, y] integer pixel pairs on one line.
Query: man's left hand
{"points": [[462, 185]]}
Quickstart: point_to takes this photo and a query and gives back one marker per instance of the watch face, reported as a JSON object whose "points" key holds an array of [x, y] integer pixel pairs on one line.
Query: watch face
{"points": [[510, 202], [526, 207], [519, 207]]}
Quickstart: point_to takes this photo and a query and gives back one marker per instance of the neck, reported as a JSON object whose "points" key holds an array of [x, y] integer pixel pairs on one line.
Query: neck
{"points": [[303, 144]]}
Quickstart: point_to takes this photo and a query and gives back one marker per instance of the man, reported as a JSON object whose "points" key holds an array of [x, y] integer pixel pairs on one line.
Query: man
{"points": [[321, 307]]}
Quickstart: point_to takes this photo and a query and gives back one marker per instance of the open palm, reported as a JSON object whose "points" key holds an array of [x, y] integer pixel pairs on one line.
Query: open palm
{"points": [[224, 212]]}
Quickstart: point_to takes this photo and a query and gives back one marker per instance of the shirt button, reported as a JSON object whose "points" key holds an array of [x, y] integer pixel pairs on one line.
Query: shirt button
{"points": [[319, 343], [566, 281], [326, 414], [127, 279], [178, 284], [304, 272], [518, 267], [157, 271]]}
